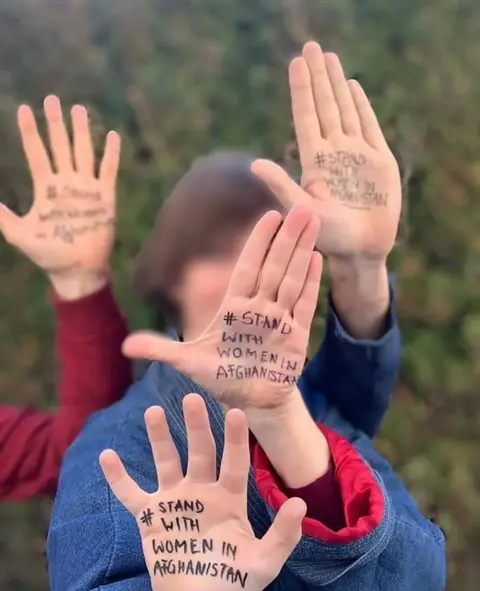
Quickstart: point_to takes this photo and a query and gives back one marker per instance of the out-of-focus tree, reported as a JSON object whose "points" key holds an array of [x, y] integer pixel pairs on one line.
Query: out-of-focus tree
{"points": [[179, 78]]}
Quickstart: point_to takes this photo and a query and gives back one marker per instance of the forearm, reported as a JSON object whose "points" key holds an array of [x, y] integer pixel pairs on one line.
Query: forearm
{"points": [[361, 296], [93, 371], [296, 448], [25, 464], [93, 374], [32, 444]]}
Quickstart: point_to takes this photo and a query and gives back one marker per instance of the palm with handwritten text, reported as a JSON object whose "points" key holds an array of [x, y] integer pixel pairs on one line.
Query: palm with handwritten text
{"points": [[350, 177], [254, 349], [195, 529], [70, 226]]}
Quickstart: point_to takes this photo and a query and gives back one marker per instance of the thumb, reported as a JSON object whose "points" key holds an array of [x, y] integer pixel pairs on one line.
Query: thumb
{"points": [[9, 223], [280, 183], [154, 346], [284, 534]]}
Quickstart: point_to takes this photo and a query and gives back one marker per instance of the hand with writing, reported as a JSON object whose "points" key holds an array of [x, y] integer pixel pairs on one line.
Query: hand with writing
{"points": [[254, 349], [69, 230], [350, 178], [195, 530]]}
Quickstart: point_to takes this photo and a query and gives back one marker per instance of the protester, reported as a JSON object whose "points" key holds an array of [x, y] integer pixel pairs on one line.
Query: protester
{"points": [[381, 540], [223, 552], [68, 233]]}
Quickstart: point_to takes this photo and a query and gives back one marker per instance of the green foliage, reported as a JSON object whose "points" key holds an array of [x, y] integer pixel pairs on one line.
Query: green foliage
{"points": [[181, 78]]}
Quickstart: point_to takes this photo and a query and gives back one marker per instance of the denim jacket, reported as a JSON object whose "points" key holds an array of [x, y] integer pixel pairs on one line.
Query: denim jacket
{"points": [[94, 542]]}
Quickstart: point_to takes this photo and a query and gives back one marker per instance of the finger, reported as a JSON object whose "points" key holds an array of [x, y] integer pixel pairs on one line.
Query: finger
{"points": [[165, 454], [305, 118], [153, 346], [280, 183], [82, 142], [10, 224], [348, 113], [284, 534], [236, 455], [245, 275], [110, 162], [202, 466], [35, 152], [304, 309], [326, 105], [371, 130], [296, 274], [281, 251], [123, 487], [59, 140]]}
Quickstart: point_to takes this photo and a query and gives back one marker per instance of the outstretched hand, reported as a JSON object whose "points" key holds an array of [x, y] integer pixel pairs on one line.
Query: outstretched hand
{"points": [[254, 349], [350, 178], [70, 226], [195, 530]]}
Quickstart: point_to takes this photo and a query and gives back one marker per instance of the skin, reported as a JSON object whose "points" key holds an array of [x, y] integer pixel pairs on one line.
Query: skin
{"points": [[287, 435]]}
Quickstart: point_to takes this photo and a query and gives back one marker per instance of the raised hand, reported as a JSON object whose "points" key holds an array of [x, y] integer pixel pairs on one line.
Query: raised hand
{"points": [[254, 350], [195, 530], [350, 178], [69, 229]]}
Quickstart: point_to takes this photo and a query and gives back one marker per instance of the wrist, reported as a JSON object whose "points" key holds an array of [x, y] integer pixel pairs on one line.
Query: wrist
{"points": [[78, 284], [295, 446], [360, 292], [359, 272]]}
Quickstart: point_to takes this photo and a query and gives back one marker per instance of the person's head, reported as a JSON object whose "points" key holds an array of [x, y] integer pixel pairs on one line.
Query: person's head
{"points": [[184, 266]]}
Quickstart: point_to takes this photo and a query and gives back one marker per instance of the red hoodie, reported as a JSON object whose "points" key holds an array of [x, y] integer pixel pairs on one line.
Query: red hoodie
{"points": [[93, 374]]}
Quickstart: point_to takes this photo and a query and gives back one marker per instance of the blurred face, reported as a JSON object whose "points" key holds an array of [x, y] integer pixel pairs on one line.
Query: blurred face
{"points": [[204, 284]]}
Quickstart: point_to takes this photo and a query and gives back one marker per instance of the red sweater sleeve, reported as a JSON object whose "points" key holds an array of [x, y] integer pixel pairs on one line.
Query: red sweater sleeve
{"points": [[342, 506], [93, 375]]}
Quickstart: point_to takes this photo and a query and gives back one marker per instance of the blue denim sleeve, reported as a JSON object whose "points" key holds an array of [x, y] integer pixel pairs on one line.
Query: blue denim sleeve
{"points": [[93, 542], [99, 552], [387, 543], [355, 376]]}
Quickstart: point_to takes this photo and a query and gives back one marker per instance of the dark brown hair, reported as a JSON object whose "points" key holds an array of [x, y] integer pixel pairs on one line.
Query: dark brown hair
{"points": [[214, 200]]}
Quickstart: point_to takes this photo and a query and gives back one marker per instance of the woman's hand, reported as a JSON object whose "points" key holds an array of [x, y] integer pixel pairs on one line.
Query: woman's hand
{"points": [[350, 178], [253, 352], [195, 530], [69, 230]]}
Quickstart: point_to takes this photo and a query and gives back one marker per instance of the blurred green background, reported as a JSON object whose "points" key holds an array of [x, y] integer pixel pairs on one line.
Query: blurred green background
{"points": [[178, 78]]}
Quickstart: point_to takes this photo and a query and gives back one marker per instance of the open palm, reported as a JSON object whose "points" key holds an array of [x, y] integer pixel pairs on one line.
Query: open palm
{"points": [[254, 349], [195, 529], [71, 221], [350, 178]]}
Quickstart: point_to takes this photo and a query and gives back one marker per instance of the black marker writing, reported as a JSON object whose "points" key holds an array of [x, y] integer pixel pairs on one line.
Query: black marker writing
{"points": [[181, 524], [239, 353], [262, 357], [229, 550], [339, 158], [181, 506], [371, 196], [67, 233], [320, 160], [56, 214], [255, 319], [191, 546], [146, 517], [242, 338], [344, 181], [73, 192], [229, 318], [203, 569], [240, 372]]}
